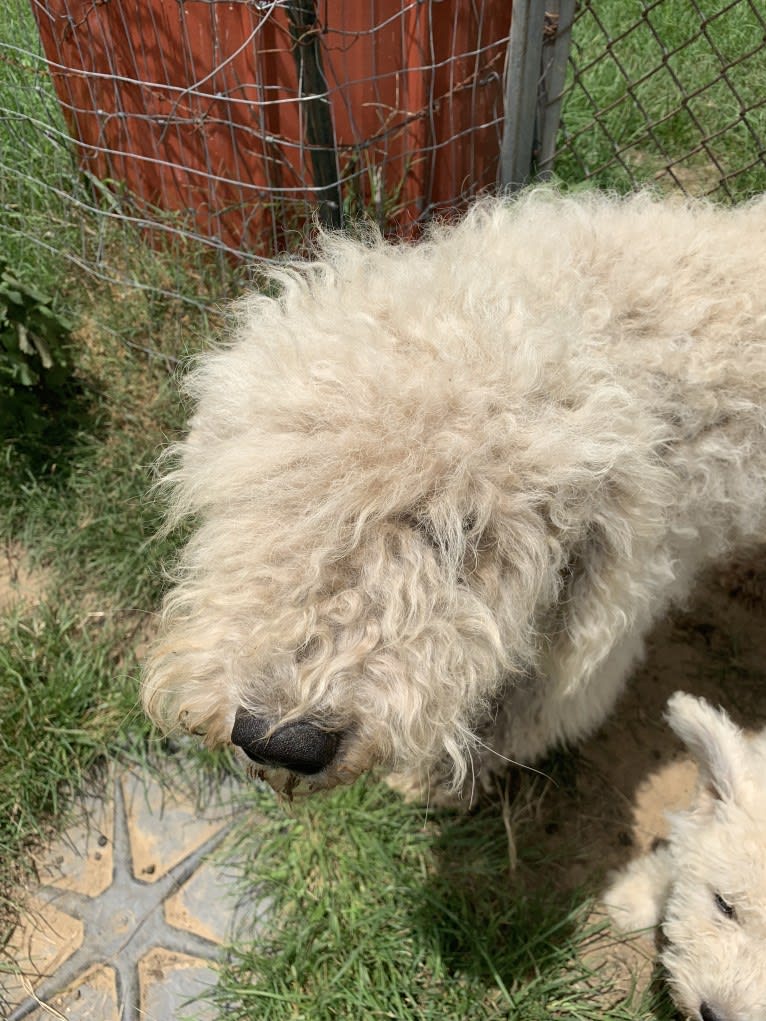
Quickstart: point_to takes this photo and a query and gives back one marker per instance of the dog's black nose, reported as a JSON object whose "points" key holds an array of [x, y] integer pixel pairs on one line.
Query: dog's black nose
{"points": [[300, 747], [708, 1013]]}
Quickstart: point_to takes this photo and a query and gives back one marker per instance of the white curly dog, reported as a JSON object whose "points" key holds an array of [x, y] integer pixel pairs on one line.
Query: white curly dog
{"points": [[707, 882], [441, 491]]}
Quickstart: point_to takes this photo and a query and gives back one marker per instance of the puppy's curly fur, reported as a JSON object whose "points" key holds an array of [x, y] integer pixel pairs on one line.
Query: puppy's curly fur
{"points": [[442, 490]]}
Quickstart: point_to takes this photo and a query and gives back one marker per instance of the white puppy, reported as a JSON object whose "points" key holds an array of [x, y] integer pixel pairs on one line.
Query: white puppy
{"points": [[706, 886]]}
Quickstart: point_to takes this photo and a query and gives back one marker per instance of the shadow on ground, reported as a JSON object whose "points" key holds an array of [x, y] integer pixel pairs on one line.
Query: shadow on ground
{"points": [[545, 846]]}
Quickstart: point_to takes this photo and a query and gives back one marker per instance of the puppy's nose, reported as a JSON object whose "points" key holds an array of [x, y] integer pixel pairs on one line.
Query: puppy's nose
{"points": [[708, 1013], [299, 747]]}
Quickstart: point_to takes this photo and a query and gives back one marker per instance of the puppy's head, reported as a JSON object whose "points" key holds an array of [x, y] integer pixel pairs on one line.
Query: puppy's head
{"points": [[715, 922]]}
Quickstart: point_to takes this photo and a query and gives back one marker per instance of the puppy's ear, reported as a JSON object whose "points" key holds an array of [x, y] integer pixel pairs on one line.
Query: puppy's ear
{"points": [[718, 745]]}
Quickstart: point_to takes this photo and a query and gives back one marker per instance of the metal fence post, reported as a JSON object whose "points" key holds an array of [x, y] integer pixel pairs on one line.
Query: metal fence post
{"points": [[557, 39], [304, 31], [537, 57]]}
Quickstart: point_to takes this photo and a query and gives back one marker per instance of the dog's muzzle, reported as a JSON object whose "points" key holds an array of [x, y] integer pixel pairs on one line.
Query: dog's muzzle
{"points": [[300, 747]]}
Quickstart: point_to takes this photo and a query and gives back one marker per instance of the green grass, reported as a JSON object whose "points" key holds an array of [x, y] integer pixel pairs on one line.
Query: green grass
{"points": [[77, 511], [77, 508], [37, 165], [665, 84], [73, 501], [66, 700], [380, 910]]}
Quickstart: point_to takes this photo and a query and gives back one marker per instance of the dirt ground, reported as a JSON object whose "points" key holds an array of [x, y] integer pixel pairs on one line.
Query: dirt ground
{"points": [[612, 804], [635, 768]]}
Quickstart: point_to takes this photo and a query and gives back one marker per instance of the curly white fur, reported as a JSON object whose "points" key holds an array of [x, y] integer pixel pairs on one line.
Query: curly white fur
{"points": [[441, 491], [707, 883]]}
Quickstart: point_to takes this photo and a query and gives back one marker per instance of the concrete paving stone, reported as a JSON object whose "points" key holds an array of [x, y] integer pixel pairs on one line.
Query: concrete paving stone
{"points": [[93, 997], [40, 944], [135, 901], [173, 980]]}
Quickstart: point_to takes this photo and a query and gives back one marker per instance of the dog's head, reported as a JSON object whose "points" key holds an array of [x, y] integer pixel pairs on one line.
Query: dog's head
{"points": [[395, 475], [715, 922], [350, 601]]}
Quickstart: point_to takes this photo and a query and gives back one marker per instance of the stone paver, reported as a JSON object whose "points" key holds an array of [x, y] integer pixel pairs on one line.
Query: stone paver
{"points": [[135, 901]]}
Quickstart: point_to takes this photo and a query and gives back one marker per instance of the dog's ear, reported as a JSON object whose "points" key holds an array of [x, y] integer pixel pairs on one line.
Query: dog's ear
{"points": [[452, 535], [604, 607], [716, 743], [606, 510]]}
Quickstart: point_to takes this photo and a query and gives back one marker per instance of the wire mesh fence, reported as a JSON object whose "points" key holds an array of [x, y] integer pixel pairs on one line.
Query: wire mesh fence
{"points": [[214, 129], [241, 117]]}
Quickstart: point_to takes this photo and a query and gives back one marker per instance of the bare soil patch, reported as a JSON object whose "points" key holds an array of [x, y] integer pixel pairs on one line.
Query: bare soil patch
{"points": [[19, 582]]}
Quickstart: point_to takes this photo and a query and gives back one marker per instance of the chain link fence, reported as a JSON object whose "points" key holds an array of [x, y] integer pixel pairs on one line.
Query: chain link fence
{"points": [[666, 91]]}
